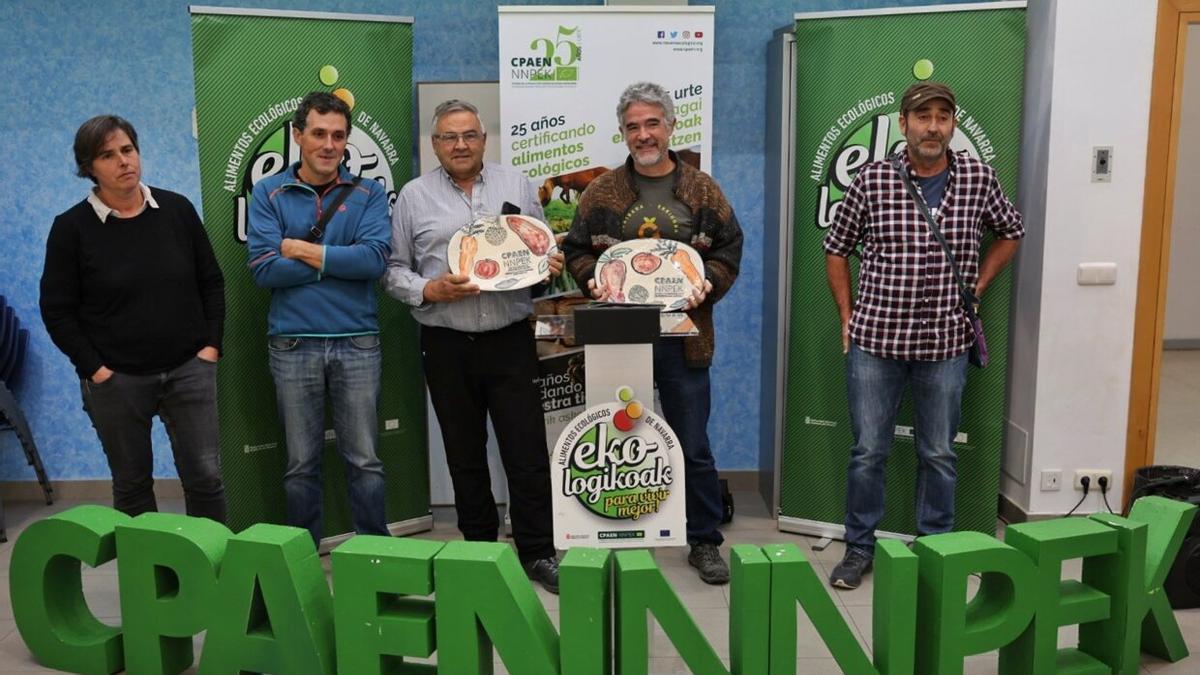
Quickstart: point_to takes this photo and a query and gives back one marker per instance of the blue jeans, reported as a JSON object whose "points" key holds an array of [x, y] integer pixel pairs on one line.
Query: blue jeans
{"points": [[347, 369], [686, 399], [122, 409], [875, 386]]}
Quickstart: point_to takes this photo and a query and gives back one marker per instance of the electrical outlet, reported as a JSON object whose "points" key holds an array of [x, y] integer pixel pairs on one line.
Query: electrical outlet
{"points": [[1094, 476], [1051, 480]]}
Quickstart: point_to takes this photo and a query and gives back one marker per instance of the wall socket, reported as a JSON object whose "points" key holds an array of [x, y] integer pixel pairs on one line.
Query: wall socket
{"points": [[1051, 480], [1094, 478]]}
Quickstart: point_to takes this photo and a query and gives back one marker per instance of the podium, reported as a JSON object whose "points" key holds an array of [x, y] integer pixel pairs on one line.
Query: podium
{"points": [[618, 349], [617, 470]]}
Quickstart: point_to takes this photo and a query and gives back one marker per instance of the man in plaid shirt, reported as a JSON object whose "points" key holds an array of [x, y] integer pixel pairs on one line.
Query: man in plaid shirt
{"points": [[908, 326]]}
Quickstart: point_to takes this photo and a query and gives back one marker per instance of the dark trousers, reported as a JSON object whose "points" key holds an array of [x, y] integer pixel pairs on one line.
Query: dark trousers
{"points": [[471, 375], [686, 396], [122, 409]]}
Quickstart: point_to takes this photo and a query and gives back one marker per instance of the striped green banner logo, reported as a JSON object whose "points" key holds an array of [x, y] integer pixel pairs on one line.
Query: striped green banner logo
{"points": [[850, 74], [251, 71]]}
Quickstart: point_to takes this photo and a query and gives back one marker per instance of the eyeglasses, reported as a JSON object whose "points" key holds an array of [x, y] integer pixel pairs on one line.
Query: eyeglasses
{"points": [[470, 138]]}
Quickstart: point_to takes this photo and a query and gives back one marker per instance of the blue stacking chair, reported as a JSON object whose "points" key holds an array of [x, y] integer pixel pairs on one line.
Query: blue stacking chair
{"points": [[10, 328], [14, 341]]}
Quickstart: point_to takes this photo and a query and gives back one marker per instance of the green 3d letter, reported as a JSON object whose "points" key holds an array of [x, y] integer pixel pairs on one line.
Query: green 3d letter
{"points": [[585, 642], [793, 580], [1122, 575], [382, 615], [483, 596], [167, 566], [47, 593], [1059, 603], [273, 611], [894, 616], [953, 628], [749, 610], [641, 591], [1168, 521]]}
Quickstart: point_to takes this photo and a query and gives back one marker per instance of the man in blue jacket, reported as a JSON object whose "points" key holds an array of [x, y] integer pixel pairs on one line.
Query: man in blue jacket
{"points": [[323, 334]]}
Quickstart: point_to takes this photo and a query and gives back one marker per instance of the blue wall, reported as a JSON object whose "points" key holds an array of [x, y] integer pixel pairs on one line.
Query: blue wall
{"points": [[66, 61]]}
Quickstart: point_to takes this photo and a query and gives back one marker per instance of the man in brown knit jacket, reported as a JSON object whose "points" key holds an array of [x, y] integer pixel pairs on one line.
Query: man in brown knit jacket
{"points": [[656, 195]]}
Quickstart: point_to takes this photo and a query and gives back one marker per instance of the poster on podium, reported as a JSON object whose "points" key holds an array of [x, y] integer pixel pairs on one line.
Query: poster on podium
{"points": [[617, 477]]}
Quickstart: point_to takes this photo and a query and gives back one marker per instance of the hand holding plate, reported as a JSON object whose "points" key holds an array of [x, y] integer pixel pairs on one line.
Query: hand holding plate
{"points": [[450, 288], [598, 292], [699, 295], [556, 260]]}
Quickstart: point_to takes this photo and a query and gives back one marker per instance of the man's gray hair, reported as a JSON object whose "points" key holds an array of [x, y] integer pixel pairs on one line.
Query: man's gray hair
{"points": [[646, 92], [452, 106]]}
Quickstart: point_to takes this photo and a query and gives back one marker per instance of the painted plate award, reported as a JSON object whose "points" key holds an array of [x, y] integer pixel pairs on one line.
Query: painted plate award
{"points": [[650, 271], [616, 475], [502, 253]]}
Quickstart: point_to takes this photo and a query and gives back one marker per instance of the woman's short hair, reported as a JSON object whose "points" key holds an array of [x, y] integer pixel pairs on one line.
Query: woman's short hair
{"points": [[92, 136]]}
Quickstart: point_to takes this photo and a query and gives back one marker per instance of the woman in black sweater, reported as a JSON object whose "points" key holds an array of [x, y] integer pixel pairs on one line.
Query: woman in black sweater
{"points": [[131, 292]]}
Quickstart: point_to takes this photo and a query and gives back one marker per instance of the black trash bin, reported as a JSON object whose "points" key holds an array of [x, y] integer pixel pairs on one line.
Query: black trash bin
{"points": [[1180, 483], [1173, 482]]}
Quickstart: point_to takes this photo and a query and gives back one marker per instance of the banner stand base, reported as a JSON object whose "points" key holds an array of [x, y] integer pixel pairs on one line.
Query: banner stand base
{"points": [[819, 528], [397, 529]]}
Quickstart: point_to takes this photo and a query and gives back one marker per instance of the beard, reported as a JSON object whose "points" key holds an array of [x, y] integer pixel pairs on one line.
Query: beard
{"points": [[920, 149], [648, 155]]}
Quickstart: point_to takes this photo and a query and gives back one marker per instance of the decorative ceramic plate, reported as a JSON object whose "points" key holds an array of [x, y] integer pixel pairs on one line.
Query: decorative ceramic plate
{"points": [[502, 253], [650, 271]]}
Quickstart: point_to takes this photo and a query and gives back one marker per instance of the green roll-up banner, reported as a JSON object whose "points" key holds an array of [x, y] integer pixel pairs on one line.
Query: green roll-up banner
{"points": [[851, 70], [252, 68]]}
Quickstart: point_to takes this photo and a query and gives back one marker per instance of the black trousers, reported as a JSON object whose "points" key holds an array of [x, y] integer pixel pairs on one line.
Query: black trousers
{"points": [[122, 410], [471, 375]]}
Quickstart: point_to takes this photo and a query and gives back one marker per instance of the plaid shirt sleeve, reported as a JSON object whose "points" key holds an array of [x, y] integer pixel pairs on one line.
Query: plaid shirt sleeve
{"points": [[999, 214], [848, 223]]}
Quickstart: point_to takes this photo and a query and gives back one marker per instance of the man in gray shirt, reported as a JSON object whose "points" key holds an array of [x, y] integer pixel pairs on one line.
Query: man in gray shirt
{"points": [[478, 348]]}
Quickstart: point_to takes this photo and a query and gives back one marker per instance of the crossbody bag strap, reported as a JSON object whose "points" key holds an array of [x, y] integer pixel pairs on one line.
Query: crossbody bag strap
{"points": [[317, 231], [963, 292]]}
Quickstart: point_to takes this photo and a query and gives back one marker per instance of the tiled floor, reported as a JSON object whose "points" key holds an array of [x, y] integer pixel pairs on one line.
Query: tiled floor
{"points": [[709, 605]]}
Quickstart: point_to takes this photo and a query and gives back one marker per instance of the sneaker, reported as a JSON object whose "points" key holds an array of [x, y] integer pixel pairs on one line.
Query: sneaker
{"points": [[706, 558], [545, 572], [849, 573]]}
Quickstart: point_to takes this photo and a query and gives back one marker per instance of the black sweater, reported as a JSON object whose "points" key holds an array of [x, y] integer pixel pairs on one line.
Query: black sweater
{"points": [[139, 295]]}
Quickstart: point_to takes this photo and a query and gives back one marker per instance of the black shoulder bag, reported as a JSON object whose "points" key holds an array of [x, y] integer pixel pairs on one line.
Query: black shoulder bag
{"points": [[978, 355], [317, 231]]}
